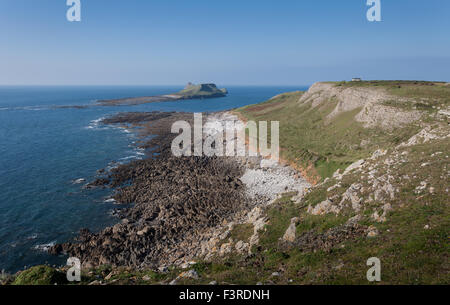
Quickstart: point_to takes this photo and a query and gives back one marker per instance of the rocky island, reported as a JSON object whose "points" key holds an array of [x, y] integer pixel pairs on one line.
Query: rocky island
{"points": [[191, 91]]}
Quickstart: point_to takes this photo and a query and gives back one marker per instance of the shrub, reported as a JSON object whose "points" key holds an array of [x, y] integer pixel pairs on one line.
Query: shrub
{"points": [[40, 275]]}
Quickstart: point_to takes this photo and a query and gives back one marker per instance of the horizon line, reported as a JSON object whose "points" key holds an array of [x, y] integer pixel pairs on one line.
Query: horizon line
{"points": [[146, 85], [220, 84]]}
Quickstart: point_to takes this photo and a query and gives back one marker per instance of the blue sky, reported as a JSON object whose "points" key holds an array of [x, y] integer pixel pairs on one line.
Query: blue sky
{"points": [[246, 42]]}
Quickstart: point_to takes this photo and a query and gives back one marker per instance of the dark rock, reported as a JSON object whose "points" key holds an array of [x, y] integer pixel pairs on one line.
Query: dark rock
{"points": [[175, 200]]}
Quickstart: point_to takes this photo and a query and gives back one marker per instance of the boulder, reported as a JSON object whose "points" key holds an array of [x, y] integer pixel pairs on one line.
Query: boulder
{"points": [[289, 235]]}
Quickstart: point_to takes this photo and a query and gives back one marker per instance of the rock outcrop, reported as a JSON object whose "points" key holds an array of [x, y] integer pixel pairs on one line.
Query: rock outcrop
{"points": [[373, 113]]}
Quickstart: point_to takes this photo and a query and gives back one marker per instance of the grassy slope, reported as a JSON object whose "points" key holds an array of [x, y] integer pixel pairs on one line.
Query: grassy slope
{"points": [[307, 137], [410, 254]]}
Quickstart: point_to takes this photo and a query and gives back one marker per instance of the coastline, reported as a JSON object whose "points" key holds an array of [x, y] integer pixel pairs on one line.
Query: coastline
{"points": [[276, 229], [308, 173], [181, 208], [96, 146], [131, 101]]}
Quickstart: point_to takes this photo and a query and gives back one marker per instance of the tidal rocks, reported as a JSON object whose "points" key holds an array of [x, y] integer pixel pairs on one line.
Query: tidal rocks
{"points": [[174, 200], [100, 182]]}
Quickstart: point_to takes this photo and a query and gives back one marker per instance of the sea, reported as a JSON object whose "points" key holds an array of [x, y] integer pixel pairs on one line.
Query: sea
{"points": [[48, 153]]}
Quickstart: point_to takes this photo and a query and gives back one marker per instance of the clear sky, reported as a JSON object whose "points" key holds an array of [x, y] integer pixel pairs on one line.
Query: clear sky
{"points": [[245, 42]]}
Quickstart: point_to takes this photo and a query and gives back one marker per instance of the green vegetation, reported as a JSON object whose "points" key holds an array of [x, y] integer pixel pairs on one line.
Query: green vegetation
{"points": [[409, 253], [202, 91], [425, 95], [40, 275], [412, 243], [308, 136], [242, 231], [126, 276]]}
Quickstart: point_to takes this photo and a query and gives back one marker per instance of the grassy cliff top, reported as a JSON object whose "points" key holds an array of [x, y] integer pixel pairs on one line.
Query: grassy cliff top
{"points": [[331, 126], [409, 89]]}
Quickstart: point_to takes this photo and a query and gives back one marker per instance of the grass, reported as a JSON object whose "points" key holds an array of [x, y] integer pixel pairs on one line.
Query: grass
{"points": [[425, 95], [40, 275], [308, 137], [279, 217], [410, 256], [241, 232], [408, 253]]}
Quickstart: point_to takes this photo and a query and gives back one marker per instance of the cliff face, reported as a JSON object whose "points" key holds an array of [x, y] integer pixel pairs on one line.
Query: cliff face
{"points": [[372, 102], [334, 124]]}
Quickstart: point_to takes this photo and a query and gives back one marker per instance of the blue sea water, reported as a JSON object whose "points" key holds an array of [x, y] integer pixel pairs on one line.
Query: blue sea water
{"points": [[43, 149]]}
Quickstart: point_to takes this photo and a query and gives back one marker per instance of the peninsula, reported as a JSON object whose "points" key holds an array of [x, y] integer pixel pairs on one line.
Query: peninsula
{"points": [[191, 91]]}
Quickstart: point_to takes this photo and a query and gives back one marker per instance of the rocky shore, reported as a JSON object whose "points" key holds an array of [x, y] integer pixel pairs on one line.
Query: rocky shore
{"points": [[177, 205]]}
